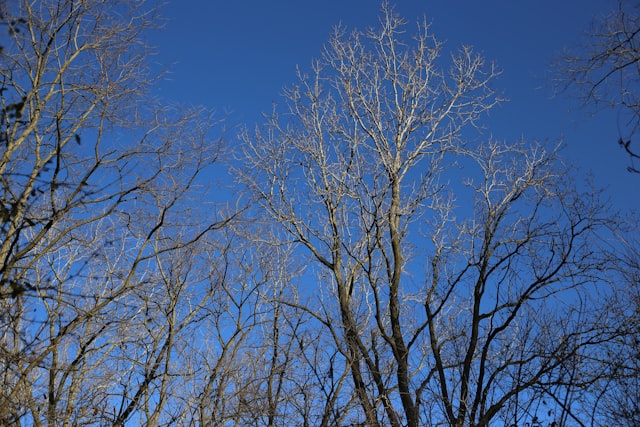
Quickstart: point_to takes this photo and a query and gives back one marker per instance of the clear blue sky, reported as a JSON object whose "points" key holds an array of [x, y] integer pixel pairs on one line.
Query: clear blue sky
{"points": [[237, 55]]}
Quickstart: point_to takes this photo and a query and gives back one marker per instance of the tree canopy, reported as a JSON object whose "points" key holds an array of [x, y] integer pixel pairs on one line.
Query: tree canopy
{"points": [[378, 260]]}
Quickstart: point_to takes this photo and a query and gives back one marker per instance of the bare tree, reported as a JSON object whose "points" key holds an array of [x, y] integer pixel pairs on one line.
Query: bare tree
{"points": [[605, 73], [103, 270], [605, 70], [614, 401], [454, 279], [126, 299], [276, 375]]}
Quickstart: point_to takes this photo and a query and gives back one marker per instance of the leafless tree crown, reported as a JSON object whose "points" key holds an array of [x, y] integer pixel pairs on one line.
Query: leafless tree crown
{"points": [[383, 262], [448, 272], [605, 71]]}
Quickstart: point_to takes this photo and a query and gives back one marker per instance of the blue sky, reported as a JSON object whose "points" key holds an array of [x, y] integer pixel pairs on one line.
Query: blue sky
{"points": [[236, 57]]}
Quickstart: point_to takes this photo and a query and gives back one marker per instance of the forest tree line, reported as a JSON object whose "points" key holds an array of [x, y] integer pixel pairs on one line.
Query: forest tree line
{"points": [[381, 264]]}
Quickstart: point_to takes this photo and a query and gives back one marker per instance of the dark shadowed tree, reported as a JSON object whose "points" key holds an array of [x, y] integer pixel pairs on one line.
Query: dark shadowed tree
{"points": [[617, 397], [604, 71]]}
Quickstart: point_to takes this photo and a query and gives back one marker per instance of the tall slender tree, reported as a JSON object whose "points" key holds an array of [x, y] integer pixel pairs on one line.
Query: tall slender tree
{"points": [[456, 278]]}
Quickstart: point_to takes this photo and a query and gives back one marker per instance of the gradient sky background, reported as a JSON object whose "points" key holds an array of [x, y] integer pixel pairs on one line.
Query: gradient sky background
{"points": [[236, 56]]}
